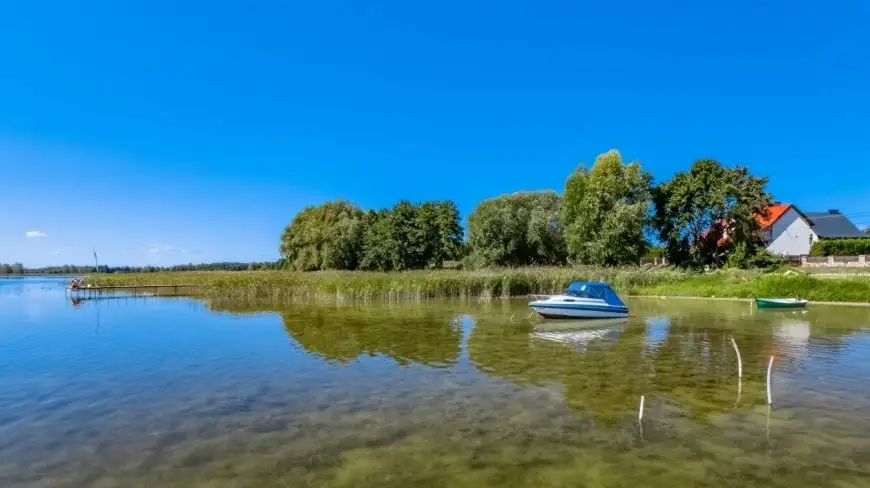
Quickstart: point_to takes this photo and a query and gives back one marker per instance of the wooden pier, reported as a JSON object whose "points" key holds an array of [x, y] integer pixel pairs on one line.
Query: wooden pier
{"points": [[92, 292]]}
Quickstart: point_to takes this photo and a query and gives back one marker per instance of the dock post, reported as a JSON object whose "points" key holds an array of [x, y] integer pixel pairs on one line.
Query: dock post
{"points": [[739, 359], [769, 368], [640, 410]]}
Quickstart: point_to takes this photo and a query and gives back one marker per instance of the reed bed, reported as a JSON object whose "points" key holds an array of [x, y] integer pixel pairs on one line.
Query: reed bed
{"points": [[489, 283], [495, 283]]}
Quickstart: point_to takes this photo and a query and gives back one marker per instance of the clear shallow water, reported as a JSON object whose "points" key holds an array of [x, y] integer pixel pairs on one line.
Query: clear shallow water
{"points": [[179, 392]]}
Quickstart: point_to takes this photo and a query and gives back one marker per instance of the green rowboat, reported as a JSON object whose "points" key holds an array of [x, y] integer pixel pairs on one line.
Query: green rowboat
{"points": [[780, 303]]}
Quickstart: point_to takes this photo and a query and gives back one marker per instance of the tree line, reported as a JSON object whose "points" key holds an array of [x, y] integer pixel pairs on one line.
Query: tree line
{"points": [[611, 213], [67, 269], [339, 235]]}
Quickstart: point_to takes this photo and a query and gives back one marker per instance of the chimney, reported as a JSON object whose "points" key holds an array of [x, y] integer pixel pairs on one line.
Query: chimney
{"points": [[833, 211]]}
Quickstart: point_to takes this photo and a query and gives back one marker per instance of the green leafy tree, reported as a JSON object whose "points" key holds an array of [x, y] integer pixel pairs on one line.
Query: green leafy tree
{"points": [[572, 199], [605, 211], [323, 237], [408, 239], [17, 268], [394, 241], [345, 248], [5, 269], [377, 242], [411, 236], [439, 223], [704, 213], [517, 229]]}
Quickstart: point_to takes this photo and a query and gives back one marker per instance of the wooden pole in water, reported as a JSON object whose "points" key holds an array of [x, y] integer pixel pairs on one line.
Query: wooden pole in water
{"points": [[769, 368], [640, 411], [739, 360]]}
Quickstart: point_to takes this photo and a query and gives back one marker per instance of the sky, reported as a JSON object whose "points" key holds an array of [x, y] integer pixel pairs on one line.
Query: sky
{"points": [[169, 132]]}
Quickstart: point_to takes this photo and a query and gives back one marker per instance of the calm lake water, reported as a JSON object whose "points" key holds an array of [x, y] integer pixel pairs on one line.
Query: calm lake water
{"points": [[174, 392]]}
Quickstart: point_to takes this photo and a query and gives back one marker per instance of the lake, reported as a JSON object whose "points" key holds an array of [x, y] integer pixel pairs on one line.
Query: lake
{"points": [[178, 392]]}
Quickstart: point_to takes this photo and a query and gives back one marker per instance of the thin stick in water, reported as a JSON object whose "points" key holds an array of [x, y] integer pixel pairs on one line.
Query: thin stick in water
{"points": [[739, 360], [640, 411], [769, 368]]}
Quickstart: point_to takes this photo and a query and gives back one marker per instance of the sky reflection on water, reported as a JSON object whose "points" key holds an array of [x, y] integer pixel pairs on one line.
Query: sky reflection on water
{"points": [[180, 392]]}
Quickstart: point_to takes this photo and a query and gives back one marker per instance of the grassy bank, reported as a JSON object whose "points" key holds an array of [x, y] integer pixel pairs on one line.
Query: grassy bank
{"points": [[496, 283], [751, 285]]}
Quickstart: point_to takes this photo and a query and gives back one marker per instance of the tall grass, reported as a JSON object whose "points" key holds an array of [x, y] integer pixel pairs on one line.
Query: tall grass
{"points": [[495, 283], [490, 283]]}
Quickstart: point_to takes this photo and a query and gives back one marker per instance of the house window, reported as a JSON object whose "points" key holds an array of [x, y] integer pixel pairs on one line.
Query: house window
{"points": [[811, 240]]}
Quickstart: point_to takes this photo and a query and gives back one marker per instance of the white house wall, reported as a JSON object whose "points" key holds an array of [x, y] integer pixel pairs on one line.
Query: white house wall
{"points": [[790, 235]]}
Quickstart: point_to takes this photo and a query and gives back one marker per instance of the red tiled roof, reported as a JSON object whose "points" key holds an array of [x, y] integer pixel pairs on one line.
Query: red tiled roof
{"points": [[773, 214]]}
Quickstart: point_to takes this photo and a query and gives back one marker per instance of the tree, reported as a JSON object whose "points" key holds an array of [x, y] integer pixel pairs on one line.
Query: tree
{"points": [[409, 244], [605, 210], [345, 248], [5, 269], [441, 230], [394, 240], [377, 254], [517, 229], [17, 268], [411, 236], [704, 213], [323, 237]]}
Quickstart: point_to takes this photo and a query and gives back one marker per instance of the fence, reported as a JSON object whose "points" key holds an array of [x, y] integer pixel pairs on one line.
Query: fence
{"points": [[835, 261], [804, 261]]}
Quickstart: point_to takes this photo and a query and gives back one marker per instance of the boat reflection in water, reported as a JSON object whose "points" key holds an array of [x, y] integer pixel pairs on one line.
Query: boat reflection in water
{"points": [[578, 334]]}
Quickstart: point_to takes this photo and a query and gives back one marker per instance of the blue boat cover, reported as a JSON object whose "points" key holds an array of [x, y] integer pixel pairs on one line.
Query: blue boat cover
{"points": [[595, 289]]}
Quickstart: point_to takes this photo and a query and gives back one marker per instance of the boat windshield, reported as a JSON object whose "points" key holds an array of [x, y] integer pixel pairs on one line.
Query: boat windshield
{"points": [[586, 291]]}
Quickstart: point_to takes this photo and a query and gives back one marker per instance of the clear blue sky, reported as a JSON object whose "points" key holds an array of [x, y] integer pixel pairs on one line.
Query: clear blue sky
{"points": [[164, 131]]}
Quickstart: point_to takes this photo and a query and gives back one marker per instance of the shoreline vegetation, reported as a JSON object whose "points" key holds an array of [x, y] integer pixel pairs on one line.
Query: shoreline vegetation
{"points": [[608, 218], [499, 283]]}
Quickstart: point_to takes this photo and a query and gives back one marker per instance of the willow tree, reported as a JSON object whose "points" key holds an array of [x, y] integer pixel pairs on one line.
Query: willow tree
{"points": [[327, 236], [605, 211], [517, 229]]}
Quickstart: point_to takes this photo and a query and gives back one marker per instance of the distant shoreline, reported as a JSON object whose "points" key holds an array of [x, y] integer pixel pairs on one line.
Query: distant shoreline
{"points": [[38, 275]]}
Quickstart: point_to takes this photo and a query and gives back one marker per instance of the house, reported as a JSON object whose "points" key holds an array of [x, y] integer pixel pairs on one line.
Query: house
{"points": [[789, 231]]}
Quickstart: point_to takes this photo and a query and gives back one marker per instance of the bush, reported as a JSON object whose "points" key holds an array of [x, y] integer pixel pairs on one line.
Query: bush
{"points": [[841, 247], [740, 257]]}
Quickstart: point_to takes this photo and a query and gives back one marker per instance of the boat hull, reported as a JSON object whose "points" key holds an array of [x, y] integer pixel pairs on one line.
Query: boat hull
{"points": [[762, 303], [579, 312]]}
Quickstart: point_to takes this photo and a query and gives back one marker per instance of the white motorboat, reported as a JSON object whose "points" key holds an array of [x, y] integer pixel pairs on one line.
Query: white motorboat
{"points": [[582, 300]]}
